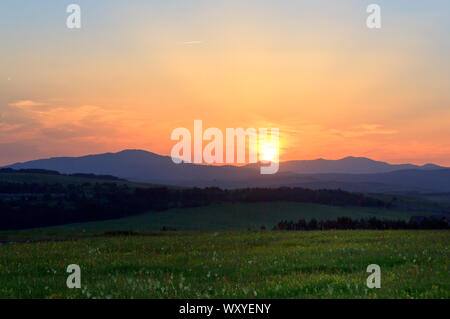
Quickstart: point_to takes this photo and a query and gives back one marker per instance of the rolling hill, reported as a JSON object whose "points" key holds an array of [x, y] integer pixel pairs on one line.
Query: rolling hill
{"points": [[348, 165], [238, 216], [350, 173]]}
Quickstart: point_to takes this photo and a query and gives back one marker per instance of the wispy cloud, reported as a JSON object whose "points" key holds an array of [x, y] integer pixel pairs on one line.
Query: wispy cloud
{"points": [[363, 129], [192, 42], [25, 103], [55, 127]]}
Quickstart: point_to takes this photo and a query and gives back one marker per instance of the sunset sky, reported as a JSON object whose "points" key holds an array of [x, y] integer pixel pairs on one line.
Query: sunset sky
{"points": [[138, 69]]}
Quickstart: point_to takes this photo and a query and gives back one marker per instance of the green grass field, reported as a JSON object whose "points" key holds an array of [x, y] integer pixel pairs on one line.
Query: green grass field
{"points": [[212, 255], [246, 264], [238, 216]]}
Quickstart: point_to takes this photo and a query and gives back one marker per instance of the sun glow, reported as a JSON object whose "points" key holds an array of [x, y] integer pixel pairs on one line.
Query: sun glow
{"points": [[268, 153]]}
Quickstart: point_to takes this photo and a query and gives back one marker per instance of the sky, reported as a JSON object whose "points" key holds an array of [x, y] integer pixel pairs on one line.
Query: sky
{"points": [[137, 70]]}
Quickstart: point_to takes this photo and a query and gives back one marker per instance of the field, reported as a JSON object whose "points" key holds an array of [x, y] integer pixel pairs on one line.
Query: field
{"points": [[245, 264], [221, 251], [238, 216]]}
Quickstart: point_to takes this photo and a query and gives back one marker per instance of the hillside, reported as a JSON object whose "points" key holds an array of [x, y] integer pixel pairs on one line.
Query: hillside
{"points": [[348, 165], [351, 173], [239, 216], [136, 165], [28, 176]]}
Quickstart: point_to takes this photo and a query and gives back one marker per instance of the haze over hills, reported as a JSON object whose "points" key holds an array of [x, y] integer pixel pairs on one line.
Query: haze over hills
{"points": [[347, 165], [350, 173], [137, 165]]}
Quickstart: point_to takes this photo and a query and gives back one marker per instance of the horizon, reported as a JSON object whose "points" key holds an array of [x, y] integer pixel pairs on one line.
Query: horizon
{"points": [[222, 164], [135, 71]]}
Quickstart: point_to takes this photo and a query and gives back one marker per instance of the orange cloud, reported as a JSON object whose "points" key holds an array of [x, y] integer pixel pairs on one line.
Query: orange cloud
{"points": [[363, 129], [26, 103]]}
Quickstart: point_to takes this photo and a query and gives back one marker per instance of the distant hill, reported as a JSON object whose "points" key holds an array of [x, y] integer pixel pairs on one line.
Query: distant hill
{"points": [[418, 180], [350, 173], [137, 165], [348, 165]]}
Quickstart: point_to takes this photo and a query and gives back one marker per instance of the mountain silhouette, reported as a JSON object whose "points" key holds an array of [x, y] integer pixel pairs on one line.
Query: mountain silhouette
{"points": [[137, 165], [350, 173], [347, 165]]}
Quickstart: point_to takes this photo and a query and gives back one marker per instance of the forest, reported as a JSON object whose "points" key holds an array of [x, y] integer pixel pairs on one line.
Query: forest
{"points": [[30, 205]]}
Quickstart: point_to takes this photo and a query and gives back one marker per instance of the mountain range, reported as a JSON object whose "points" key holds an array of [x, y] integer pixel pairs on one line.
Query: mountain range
{"points": [[350, 173]]}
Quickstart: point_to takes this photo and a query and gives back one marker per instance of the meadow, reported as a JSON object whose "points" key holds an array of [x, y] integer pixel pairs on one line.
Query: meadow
{"points": [[219, 250], [242, 264]]}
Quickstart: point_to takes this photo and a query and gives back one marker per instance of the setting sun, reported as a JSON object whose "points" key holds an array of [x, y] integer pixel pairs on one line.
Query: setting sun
{"points": [[268, 153]]}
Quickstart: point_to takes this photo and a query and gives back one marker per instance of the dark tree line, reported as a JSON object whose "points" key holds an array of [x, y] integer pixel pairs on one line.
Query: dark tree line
{"points": [[372, 223], [31, 188], [27, 205], [205, 196], [50, 172]]}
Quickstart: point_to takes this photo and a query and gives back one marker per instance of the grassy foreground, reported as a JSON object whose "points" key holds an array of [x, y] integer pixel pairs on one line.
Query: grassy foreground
{"points": [[263, 264]]}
